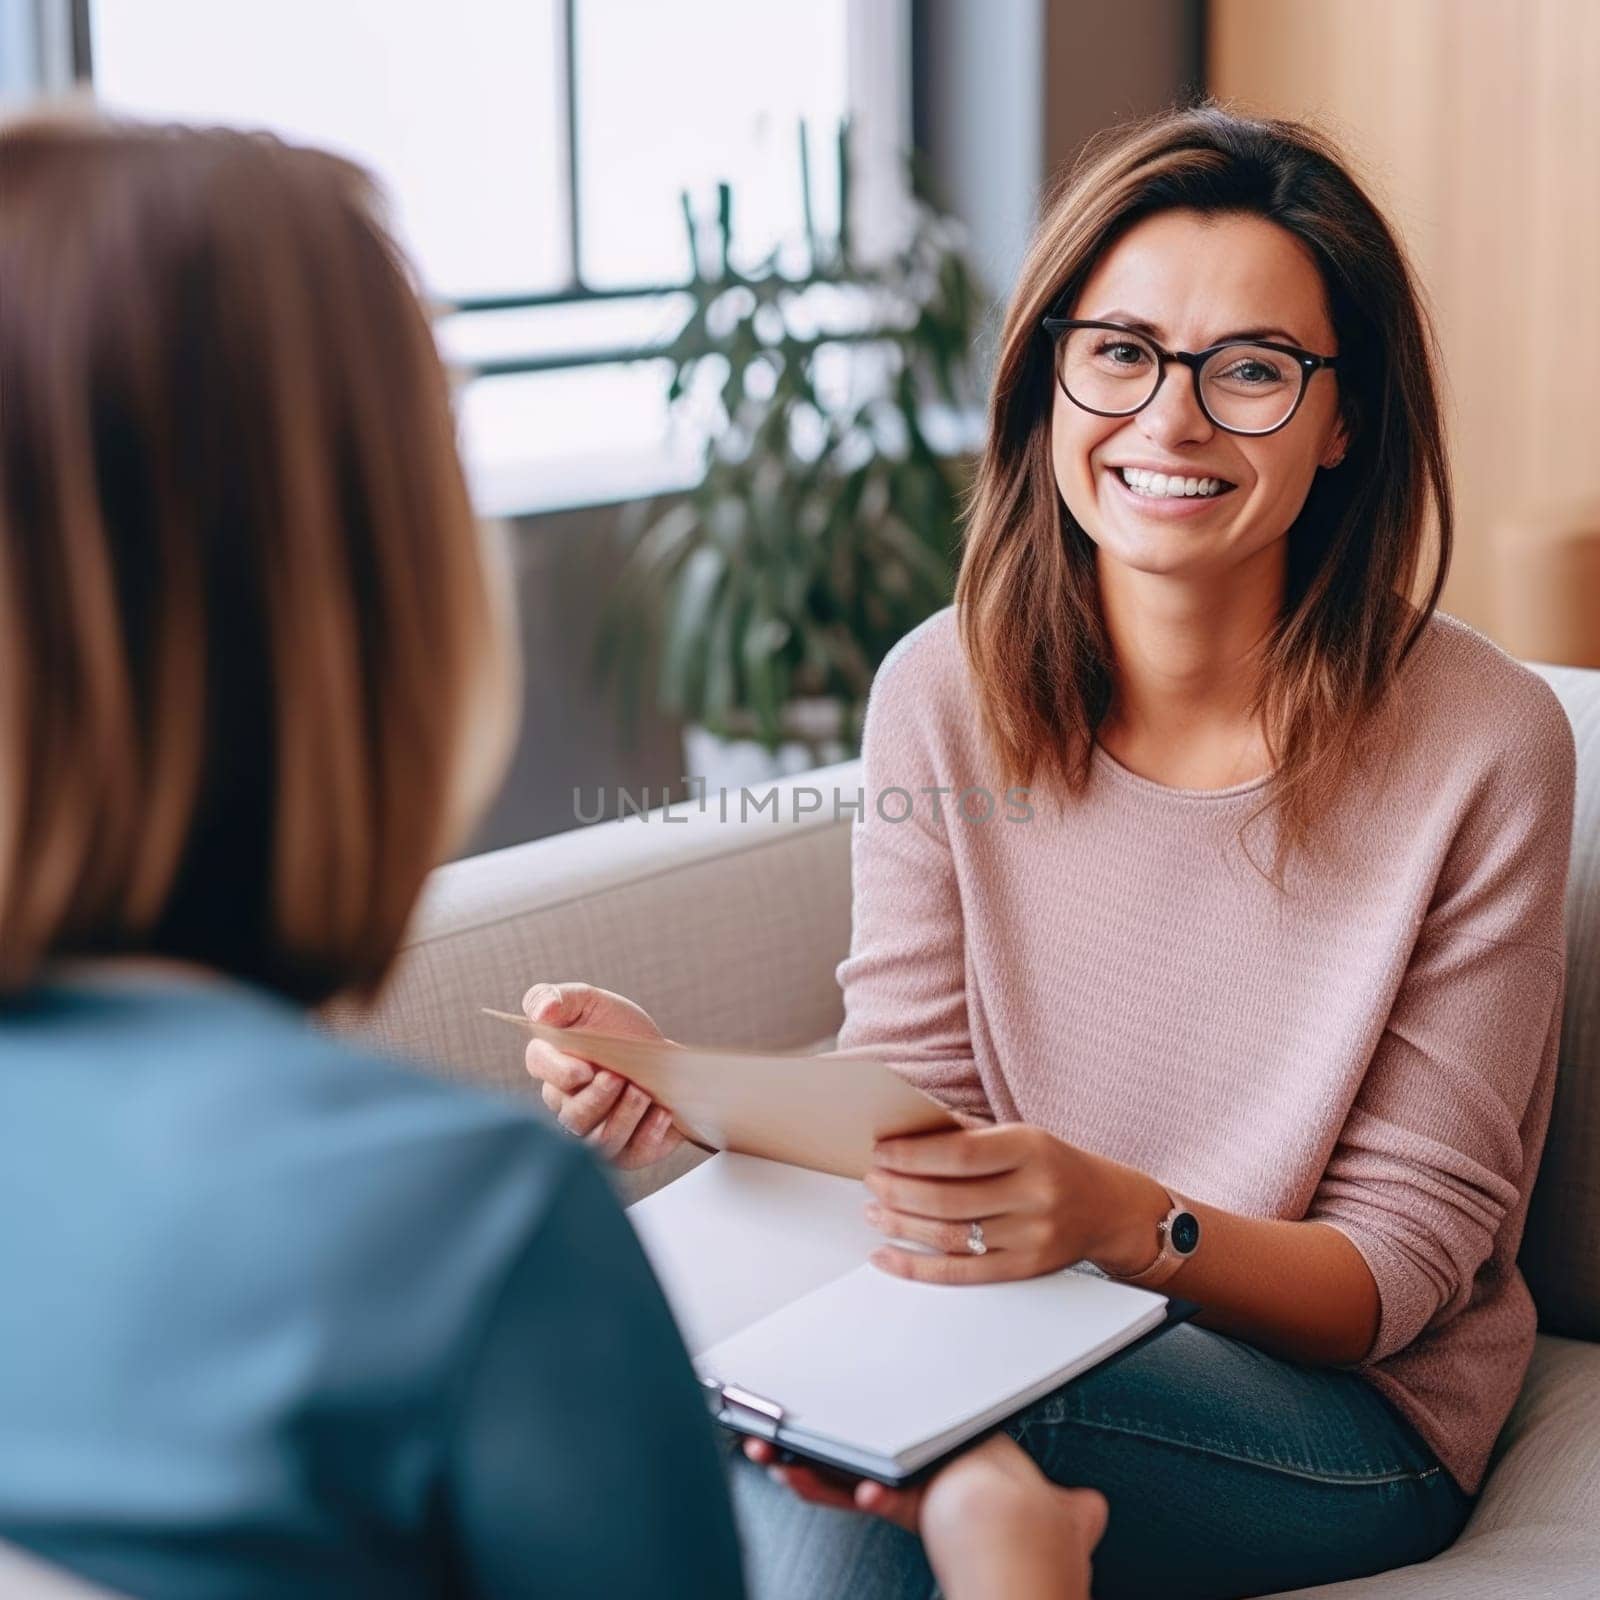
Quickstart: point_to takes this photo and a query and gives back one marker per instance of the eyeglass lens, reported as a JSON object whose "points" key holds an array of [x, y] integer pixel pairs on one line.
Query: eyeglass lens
{"points": [[1249, 388]]}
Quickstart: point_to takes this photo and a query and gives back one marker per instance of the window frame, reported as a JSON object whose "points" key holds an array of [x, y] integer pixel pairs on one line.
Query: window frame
{"points": [[878, 98]]}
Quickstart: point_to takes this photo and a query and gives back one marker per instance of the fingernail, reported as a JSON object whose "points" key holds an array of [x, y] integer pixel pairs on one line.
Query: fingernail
{"points": [[874, 1215]]}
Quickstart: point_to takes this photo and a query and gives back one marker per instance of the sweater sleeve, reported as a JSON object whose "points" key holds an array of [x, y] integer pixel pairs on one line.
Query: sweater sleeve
{"points": [[1433, 1152], [904, 980], [583, 1461]]}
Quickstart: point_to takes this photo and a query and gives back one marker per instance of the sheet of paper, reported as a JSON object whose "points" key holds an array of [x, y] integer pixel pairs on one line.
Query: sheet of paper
{"points": [[818, 1111], [739, 1236], [884, 1364]]}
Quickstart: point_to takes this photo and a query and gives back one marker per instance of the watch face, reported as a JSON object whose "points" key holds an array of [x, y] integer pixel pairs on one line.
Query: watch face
{"points": [[1185, 1232]]}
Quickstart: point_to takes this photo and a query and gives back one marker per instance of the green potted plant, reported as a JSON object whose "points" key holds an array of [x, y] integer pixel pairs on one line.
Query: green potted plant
{"points": [[825, 525]]}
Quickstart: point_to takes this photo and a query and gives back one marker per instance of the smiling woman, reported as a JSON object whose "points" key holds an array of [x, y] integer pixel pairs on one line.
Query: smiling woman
{"points": [[1302, 1079], [1205, 230]]}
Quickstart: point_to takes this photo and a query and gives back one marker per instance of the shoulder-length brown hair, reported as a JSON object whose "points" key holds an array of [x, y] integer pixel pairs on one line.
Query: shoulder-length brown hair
{"points": [[1027, 599], [243, 617]]}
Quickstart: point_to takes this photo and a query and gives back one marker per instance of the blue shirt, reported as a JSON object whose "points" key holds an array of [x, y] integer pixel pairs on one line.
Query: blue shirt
{"points": [[278, 1317]]}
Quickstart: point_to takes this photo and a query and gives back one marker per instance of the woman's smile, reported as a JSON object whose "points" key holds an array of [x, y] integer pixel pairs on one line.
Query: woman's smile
{"points": [[1167, 495]]}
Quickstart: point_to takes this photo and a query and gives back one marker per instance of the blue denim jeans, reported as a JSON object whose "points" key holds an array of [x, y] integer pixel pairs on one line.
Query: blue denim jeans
{"points": [[1227, 1473]]}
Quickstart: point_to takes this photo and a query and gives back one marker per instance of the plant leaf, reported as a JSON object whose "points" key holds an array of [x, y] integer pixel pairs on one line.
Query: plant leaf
{"points": [[683, 659]]}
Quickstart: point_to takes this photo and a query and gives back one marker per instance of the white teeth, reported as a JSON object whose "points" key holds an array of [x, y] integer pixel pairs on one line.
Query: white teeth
{"points": [[1161, 486]]}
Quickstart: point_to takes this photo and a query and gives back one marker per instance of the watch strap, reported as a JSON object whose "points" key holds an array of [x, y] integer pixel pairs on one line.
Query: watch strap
{"points": [[1168, 1259]]}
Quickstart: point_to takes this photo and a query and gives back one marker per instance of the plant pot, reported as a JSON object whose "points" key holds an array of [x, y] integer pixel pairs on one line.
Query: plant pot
{"points": [[817, 729]]}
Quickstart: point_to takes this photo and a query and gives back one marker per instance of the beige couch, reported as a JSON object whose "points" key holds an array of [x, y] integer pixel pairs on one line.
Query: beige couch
{"points": [[729, 932]]}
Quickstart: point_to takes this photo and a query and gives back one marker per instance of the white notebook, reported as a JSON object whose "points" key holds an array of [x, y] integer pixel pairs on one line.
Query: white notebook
{"points": [[801, 1340]]}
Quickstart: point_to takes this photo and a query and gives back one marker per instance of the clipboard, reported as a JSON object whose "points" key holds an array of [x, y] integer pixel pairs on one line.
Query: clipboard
{"points": [[757, 1417], [822, 1112]]}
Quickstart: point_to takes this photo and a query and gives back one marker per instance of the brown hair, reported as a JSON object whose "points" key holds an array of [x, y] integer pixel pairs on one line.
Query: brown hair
{"points": [[1027, 599], [243, 615]]}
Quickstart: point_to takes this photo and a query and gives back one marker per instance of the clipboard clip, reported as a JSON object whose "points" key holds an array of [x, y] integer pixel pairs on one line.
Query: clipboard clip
{"points": [[755, 1413]]}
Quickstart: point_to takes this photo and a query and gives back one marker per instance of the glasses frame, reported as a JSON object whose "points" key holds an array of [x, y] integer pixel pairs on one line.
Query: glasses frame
{"points": [[1308, 362]]}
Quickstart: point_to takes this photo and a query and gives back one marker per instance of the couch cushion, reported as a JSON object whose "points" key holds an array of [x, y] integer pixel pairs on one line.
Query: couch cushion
{"points": [[726, 932], [1546, 1466], [1534, 1531], [1561, 1248]]}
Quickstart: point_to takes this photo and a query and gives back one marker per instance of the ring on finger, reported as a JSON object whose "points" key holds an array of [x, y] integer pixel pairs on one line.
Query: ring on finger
{"points": [[950, 1238], [976, 1244]]}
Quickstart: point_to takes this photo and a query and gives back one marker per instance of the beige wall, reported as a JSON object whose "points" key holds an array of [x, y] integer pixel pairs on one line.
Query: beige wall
{"points": [[1478, 125]]}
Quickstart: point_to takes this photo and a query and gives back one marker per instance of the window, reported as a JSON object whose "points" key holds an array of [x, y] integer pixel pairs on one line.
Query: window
{"points": [[679, 96], [534, 152], [455, 108]]}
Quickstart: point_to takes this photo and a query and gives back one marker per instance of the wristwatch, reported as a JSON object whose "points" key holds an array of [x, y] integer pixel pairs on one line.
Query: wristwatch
{"points": [[1179, 1233]]}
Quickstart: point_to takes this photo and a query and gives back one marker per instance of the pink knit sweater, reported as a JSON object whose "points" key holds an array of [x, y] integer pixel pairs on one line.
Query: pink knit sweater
{"points": [[1377, 1051]]}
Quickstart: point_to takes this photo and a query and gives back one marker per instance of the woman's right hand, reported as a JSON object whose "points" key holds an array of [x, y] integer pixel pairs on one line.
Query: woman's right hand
{"points": [[990, 1521], [593, 1103]]}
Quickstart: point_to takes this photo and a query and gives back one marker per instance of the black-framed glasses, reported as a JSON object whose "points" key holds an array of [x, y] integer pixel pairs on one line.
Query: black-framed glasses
{"points": [[1251, 386]]}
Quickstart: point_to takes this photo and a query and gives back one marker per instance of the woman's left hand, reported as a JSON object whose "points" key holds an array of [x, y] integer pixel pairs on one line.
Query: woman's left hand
{"points": [[1043, 1203]]}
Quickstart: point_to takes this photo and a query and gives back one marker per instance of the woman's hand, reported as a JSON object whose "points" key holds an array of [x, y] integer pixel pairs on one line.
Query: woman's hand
{"points": [[1043, 1203], [597, 1105], [991, 1522]]}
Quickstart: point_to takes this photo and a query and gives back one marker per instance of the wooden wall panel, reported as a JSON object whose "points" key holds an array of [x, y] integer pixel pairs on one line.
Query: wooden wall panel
{"points": [[1477, 124]]}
